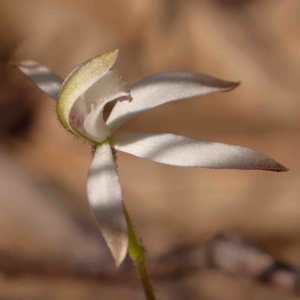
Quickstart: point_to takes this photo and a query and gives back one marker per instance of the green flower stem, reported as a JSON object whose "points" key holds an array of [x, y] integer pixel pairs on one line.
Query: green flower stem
{"points": [[137, 254]]}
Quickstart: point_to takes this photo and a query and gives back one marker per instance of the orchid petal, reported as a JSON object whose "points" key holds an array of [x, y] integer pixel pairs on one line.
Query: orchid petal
{"points": [[183, 151], [77, 83], [43, 77], [161, 88], [105, 198]]}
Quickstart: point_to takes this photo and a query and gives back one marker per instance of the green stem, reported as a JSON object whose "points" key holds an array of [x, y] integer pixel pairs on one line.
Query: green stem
{"points": [[137, 254]]}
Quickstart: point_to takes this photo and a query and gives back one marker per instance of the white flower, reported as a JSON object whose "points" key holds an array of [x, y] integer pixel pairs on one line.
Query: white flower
{"points": [[80, 102]]}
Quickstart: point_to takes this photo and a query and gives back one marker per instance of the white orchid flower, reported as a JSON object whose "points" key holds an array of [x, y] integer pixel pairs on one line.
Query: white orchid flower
{"points": [[80, 102]]}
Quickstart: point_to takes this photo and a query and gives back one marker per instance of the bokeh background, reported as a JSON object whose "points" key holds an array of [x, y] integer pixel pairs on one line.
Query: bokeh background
{"points": [[43, 169]]}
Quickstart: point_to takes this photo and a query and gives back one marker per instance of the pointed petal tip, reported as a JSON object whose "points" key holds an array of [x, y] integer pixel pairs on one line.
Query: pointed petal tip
{"points": [[118, 249], [232, 85], [119, 260], [113, 55], [282, 168], [270, 165], [274, 167]]}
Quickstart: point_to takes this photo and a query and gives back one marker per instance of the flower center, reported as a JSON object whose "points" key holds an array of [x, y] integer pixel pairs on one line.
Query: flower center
{"points": [[86, 115]]}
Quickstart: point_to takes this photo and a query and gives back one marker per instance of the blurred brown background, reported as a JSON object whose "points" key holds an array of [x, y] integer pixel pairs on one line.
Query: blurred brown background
{"points": [[43, 170]]}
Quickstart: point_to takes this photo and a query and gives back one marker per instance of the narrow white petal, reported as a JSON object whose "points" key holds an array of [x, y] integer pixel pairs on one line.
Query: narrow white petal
{"points": [[182, 151], [161, 88], [43, 77], [105, 198]]}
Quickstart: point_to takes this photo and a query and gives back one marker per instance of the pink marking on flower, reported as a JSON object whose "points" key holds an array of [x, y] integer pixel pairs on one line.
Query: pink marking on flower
{"points": [[75, 120]]}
